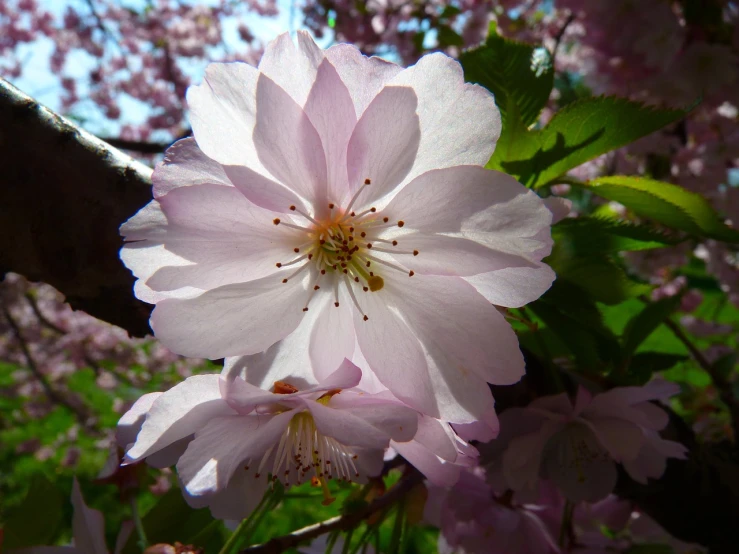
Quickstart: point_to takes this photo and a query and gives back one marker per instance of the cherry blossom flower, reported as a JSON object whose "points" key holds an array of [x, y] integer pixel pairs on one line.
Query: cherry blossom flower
{"points": [[340, 202], [473, 519], [230, 439], [575, 446]]}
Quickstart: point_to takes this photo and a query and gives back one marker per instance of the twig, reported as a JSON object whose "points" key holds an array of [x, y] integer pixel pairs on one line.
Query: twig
{"points": [[339, 523], [53, 395], [560, 35], [719, 381], [45, 321]]}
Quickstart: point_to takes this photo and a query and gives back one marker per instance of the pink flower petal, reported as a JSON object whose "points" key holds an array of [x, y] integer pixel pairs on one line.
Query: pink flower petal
{"points": [[179, 412], [88, 526], [444, 142], [384, 144], [223, 114], [472, 334], [224, 445], [437, 437], [369, 425], [445, 255], [130, 423], [332, 338], [438, 472], [221, 322], [235, 501], [292, 68], [330, 109], [621, 438], [261, 190], [363, 76], [184, 165], [241, 244], [288, 144]]}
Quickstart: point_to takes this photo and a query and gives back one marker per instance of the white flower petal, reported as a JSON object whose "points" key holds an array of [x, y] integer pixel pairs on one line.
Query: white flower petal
{"points": [[330, 109], [223, 114], [221, 322], [185, 165], [292, 68], [241, 244], [224, 445], [364, 76], [384, 143], [288, 144], [179, 412], [445, 100]]}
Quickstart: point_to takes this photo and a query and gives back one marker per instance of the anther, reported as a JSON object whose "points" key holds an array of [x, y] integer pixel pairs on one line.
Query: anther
{"points": [[395, 243], [365, 318], [401, 223], [415, 252], [331, 206], [278, 264], [365, 289], [293, 208], [296, 250], [276, 221], [305, 309], [316, 287], [369, 245], [284, 280], [411, 273], [323, 272], [336, 304], [362, 234], [356, 279], [368, 263], [367, 181], [385, 219]]}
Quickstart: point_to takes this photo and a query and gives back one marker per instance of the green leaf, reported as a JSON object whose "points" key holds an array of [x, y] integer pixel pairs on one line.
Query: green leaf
{"points": [[645, 322], [650, 362], [38, 519], [572, 333], [170, 520], [589, 235], [576, 134], [517, 74], [448, 37], [666, 203], [725, 365]]}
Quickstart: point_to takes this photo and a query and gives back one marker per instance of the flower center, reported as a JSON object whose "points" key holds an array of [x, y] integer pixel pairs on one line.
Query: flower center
{"points": [[305, 453], [344, 248]]}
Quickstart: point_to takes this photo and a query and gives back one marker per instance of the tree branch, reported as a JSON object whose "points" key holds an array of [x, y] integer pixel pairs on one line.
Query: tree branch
{"points": [[339, 523], [54, 396], [723, 387], [63, 195]]}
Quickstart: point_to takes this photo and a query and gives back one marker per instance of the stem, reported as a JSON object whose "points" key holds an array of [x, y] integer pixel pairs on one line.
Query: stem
{"points": [[397, 535], [339, 523], [565, 529], [245, 526], [143, 542]]}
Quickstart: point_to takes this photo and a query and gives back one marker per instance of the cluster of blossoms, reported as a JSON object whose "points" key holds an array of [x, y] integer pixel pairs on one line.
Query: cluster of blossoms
{"points": [[474, 516], [329, 212], [42, 334], [143, 53], [331, 232]]}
